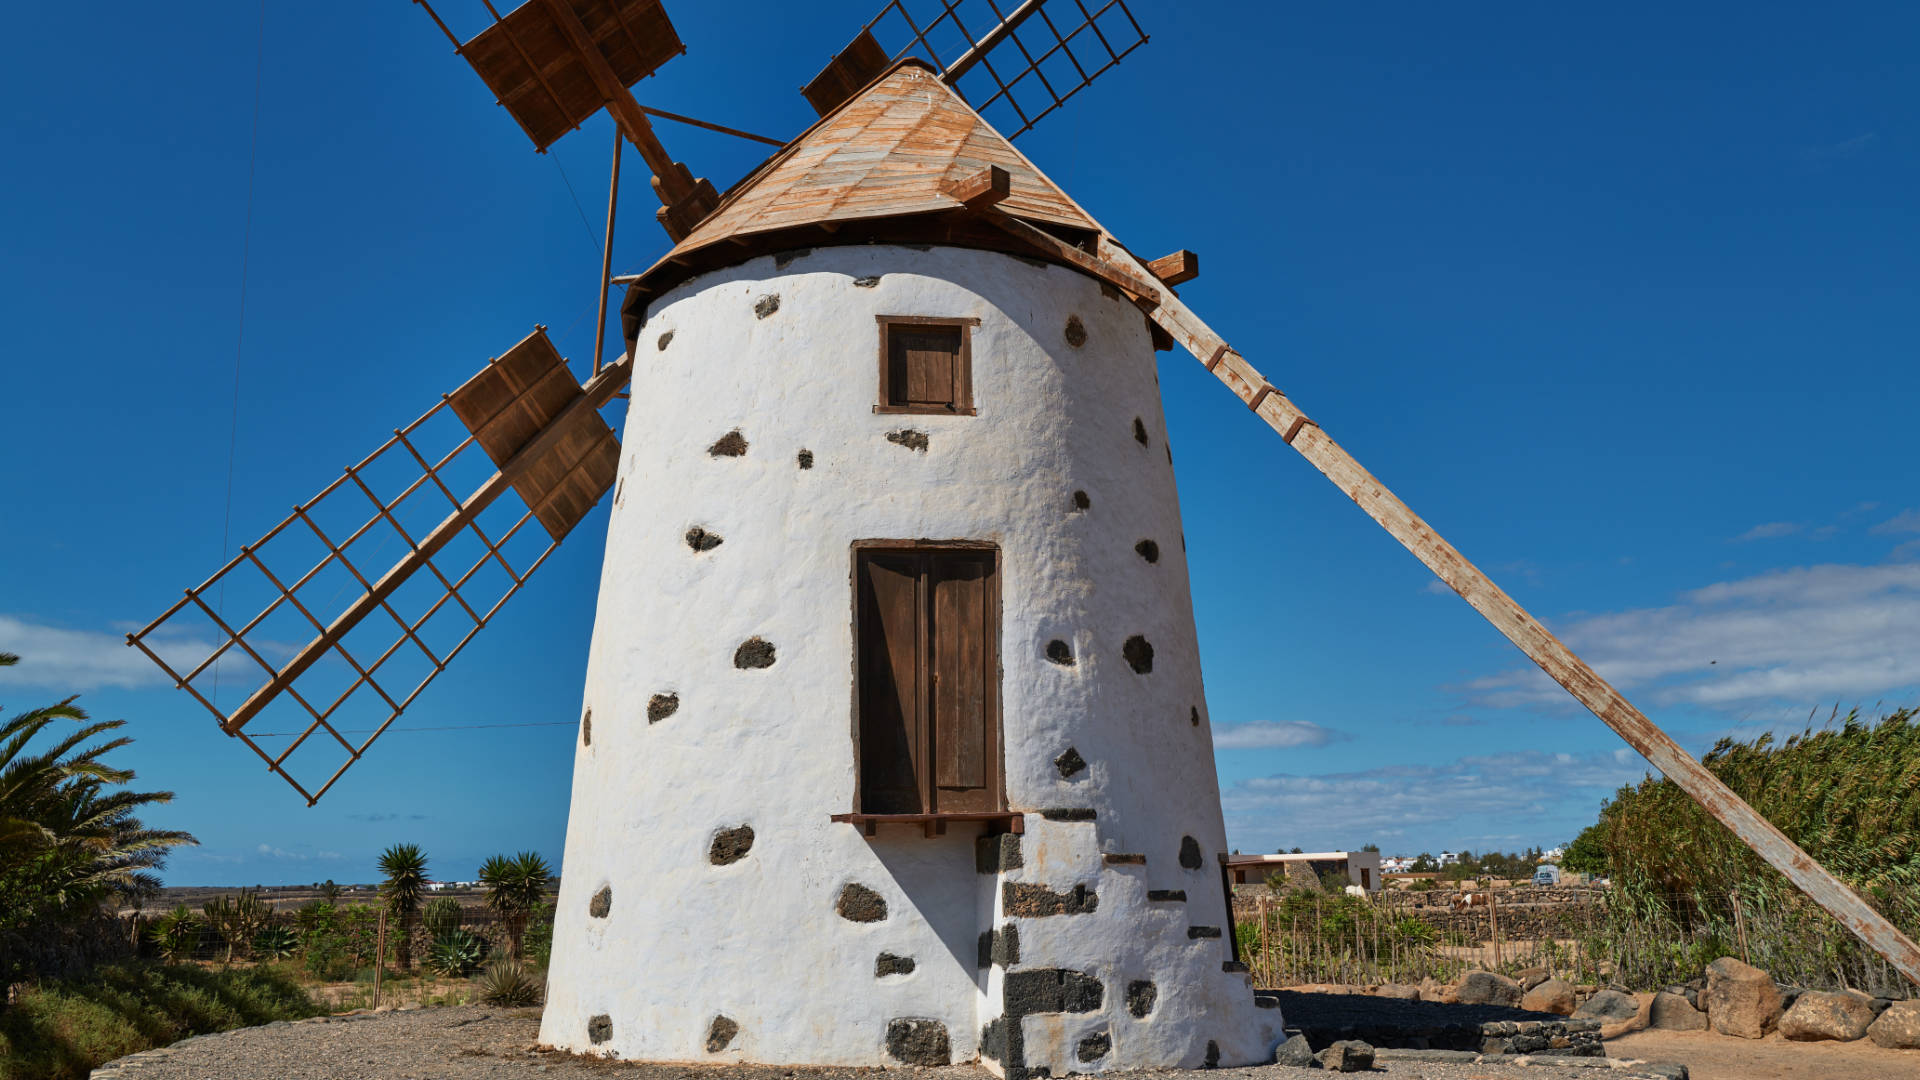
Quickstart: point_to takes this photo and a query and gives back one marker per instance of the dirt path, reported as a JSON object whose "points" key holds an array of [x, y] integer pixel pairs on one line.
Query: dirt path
{"points": [[1720, 1057], [478, 1043]]}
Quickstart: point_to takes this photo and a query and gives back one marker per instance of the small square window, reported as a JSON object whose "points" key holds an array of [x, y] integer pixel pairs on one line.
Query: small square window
{"points": [[926, 365]]}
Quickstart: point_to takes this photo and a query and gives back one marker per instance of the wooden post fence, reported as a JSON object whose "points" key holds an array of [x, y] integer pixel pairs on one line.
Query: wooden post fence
{"points": [[379, 953]]}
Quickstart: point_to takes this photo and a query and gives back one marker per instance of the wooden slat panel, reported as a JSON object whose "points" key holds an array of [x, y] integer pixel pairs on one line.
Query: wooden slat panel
{"points": [[962, 683], [516, 396], [853, 68], [560, 487], [890, 694], [556, 93], [924, 363]]}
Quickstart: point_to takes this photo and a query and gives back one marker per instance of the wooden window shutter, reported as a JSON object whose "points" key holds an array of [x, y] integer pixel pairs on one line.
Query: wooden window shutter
{"points": [[925, 365]]}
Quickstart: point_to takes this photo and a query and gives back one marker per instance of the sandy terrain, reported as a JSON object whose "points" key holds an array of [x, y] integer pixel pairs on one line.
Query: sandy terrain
{"points": [[1720, 1057]]}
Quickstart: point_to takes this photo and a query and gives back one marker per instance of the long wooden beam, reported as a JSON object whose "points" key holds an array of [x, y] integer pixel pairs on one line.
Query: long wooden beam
{"points": [[598, 391], [985, 45], [1115, 263]]}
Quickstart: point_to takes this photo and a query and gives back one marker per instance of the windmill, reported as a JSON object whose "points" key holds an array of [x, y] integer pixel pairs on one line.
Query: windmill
{"points": [[893, 745]]}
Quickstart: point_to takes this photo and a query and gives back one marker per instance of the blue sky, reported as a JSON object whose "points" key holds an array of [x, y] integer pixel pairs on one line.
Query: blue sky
{"points": [[1622, 301]]}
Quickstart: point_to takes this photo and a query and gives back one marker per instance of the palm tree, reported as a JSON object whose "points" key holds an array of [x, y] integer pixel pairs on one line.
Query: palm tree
{"points": [[516, 886], [69, 837], [406, 870]]}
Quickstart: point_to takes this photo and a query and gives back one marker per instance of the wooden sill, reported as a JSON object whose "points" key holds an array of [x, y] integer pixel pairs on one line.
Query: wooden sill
{"points": [[997, 821], [925, 410]]}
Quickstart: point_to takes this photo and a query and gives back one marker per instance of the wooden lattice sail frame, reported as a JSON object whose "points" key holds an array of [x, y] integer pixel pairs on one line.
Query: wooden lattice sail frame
{"points": [[523, 413]]}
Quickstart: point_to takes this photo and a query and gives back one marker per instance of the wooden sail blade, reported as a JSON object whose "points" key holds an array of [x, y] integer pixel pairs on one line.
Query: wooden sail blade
{"points": [[367, 660], [512, 401], [530, 62], [554, 63], [1114, 263], [1016, 66]]}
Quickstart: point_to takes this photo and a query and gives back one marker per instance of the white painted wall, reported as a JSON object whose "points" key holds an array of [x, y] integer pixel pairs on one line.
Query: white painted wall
{"points": [[759, 941]]}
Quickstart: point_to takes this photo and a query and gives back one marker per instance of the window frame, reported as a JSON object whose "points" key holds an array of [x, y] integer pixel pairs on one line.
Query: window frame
{"points": [[996, 762], [963, 402]]}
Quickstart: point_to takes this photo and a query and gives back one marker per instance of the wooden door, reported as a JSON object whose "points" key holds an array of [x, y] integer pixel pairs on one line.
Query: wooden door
{"points": [[929, 733]]}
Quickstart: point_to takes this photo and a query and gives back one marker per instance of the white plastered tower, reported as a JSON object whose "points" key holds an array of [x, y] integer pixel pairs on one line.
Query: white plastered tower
{"points": [[712, 908]]}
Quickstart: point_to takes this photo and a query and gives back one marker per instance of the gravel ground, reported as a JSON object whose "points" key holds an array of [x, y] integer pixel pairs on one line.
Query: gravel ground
{"points": [[481, 1043]]}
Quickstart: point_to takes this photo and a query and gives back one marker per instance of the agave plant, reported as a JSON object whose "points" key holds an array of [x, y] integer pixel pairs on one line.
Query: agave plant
{"points": [[456, 953], [509, 982], [441, 916], [275, 943], [176, 934]]}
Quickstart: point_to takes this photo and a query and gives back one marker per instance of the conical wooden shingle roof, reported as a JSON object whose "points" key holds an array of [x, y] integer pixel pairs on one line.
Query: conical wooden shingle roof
{"points": [[874, 169], [886, 152]]}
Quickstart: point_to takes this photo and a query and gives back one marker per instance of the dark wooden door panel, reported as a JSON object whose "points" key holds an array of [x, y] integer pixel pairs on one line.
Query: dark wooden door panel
{"points": [[961, 698], [892, 721]]}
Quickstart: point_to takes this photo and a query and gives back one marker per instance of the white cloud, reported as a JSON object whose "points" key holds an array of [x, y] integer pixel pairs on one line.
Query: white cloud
{"points": [[1768, 531], [1437, 588], [283, 855], [1267, 734], [1906, 521], [1460, 801], [77, 660], [1799, 636]]}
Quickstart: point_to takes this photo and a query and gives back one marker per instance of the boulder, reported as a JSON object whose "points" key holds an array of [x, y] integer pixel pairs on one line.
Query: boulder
{"points": [[1296, 1053], [1898, 1028], [1549, 996], [1692, 994], [1741, 999], [1432, 989], [1818, 1015], [1608, 1007], [1673, 1012], [1486, 988], [1532, 977], [1347, 1055], [1400, 991]]}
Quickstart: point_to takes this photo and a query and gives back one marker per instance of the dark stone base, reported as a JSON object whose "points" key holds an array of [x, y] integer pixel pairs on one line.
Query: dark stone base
{"points": [[1430, 1025]]}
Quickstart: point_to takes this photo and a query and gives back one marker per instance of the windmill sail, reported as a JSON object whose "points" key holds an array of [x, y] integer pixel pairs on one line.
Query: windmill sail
{"points": [[1013, 66], [324, 670], [553, 63], [1113, 263]]}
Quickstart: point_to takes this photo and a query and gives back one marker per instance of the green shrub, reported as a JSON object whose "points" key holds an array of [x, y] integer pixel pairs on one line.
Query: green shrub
{"points": [[61, 1030], [539, 941]]}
